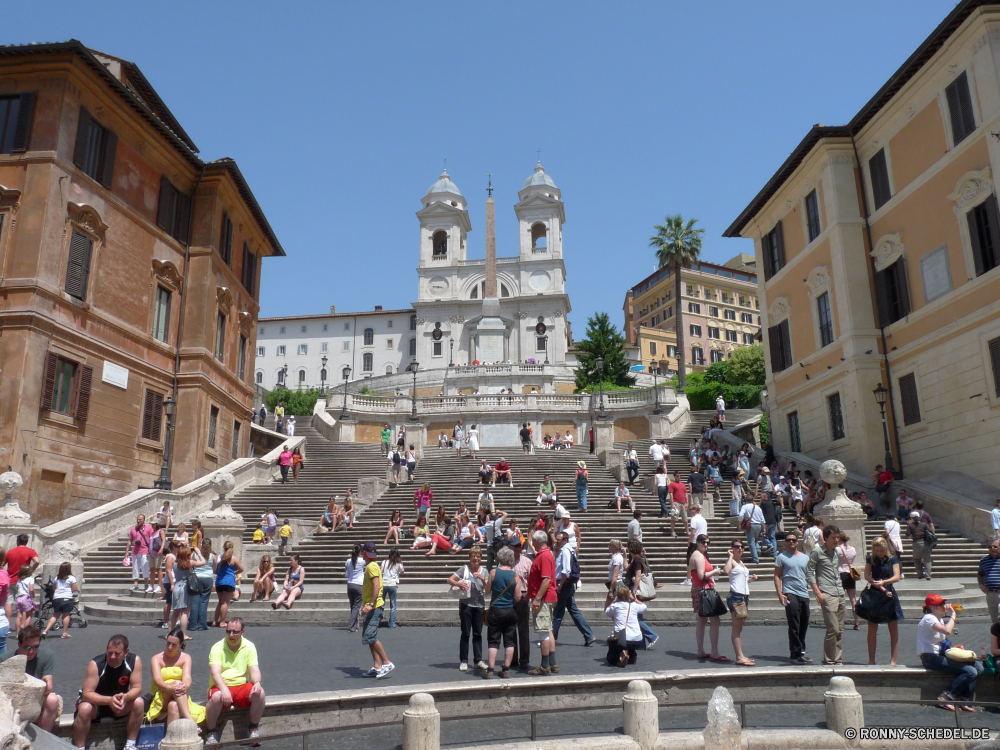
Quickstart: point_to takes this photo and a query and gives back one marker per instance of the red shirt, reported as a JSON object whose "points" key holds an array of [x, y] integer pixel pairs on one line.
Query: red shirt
{"points": [[678, 491], [885, 477], [15, 559], [544, 566], [503, 466]]}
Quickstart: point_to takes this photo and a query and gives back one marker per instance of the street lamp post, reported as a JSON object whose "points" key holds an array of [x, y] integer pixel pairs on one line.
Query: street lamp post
{"points": [[451, 352], [347, 375], [880, 396], [163, 482], [600, 374], [413, 410], [322, 376], [653, 366]]}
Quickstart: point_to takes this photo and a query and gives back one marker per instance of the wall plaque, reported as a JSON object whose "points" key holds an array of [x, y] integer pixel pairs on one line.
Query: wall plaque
{"points": [[115, 375], [935, 273]]}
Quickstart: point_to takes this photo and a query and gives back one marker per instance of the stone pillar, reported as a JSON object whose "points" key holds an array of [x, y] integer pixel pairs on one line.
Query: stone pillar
{"points": [[182, 734], [839, 510], [641, 714], [13, 520], [416, 435], [844, 708], [222, 523], [723, 731], [421, 724], [343, 431], [604, 436]]}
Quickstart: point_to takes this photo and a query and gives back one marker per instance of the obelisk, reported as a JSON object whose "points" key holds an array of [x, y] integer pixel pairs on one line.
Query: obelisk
{"points": [[491, 329]]}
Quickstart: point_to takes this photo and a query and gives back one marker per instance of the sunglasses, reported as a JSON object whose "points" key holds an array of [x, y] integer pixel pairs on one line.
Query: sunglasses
{"points": [[706, 543], [233, 632]]}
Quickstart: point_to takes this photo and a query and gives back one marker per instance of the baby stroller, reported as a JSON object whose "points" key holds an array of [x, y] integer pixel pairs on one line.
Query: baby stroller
{"points": [[45, 611]]}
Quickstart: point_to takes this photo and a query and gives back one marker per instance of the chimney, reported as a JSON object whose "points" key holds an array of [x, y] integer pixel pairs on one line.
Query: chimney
{"points": [[333, 309], [378, 308]]}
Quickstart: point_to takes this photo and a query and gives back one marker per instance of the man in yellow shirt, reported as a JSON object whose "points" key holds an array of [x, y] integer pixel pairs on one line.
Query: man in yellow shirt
{"points": [[284, 532], [234, 680], [371, 595]]}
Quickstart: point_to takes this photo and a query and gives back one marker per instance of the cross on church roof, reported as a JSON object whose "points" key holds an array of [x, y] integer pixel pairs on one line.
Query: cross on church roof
{"points": [[539, 152]]}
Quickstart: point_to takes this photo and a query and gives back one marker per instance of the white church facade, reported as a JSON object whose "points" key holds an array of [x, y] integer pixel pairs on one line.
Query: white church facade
{"points": [[445, 327]]}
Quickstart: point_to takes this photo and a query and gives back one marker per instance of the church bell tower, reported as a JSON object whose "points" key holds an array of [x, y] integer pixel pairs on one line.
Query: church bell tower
{"points": [[444, 224], [540, 216]]}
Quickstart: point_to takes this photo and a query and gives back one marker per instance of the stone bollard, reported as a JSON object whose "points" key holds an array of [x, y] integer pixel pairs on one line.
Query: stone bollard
{"points": [[723, 731], [641, 714], [421, 724], [182, 734], [844, 708]]}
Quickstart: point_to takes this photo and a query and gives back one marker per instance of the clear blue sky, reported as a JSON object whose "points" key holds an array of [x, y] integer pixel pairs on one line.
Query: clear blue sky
{"points": [[339, 115]]}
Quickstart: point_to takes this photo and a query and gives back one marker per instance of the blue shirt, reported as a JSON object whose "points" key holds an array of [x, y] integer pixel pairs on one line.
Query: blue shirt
{"points": [[989, 569], [793, 573]]}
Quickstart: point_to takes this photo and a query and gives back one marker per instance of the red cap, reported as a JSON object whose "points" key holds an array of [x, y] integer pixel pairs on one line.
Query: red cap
{"points": [[934, 600]]}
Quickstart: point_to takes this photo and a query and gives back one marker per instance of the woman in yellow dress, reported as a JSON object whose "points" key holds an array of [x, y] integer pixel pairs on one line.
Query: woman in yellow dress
{"points": [[171, 682]]}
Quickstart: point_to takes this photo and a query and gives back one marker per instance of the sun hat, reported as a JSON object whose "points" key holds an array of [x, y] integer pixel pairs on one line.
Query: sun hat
{"points": [[764, 470], [582, 464]]}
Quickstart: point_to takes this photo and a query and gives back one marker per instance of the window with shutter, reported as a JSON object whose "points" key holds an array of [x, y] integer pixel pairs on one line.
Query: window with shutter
{"points": [[836, 417], [49, 379], [243, 358], [213, 424], [369, 336], [781, 346], [891, 293], [794, 440], [812, 215], [249, 269], [994, 347], [878, 171], [173, 215], [95, 149], [15, 122], [697, 355], [236, 440], [963, 121], [78, 268], [161, 314], [413, 347], [984, 234], [226, 239], [367, 362], [152, 416], [84, 380], [220, 337], [908, 398], [773, 250]]}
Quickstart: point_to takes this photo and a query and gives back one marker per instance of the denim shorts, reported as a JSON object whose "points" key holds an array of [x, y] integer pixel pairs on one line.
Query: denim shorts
{"points": [[369, 634], [733, 598]]}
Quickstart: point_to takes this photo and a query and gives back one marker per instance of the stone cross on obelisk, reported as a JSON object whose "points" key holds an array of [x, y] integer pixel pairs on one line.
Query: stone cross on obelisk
{"points": [[491, 245], [491, 330]]}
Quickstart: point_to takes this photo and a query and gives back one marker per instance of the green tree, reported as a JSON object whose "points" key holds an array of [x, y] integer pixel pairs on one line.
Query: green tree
{"points": [[603, 340], [678, 245], [299, 403], [717, 371], [746, 366]]}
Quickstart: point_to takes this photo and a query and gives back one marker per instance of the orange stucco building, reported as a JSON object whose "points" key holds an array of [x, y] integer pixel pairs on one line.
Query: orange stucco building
{"points": [[129, 273], [879, 244]]}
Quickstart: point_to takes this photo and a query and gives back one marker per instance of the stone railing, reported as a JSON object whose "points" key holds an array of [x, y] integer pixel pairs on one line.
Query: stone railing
{"points": [[94, 527]]}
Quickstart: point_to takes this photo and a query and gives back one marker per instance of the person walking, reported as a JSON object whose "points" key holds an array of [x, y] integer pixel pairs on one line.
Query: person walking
{"points": [[881, 572], [581, 481], [386, 437], [137, 547], [567, 576], [932, 630], [616, 565], [988, 578], [678, 504], [591, 436], [284, 461], [473, 441], [542, 593], [297, 461], [823, 577], [703, 577], [392, 569], [458, 435], [790, 585], [180, 596], [354, 570], [469, 582], [752, 522], [662, 482], [504, 590], [635, 527], [883, 484], [371, 594], [738, 599], [411, 464], [772, 516], [918, 527], [995, 520], [893, 533], [631, 464], [845, 566], [204, 571]]}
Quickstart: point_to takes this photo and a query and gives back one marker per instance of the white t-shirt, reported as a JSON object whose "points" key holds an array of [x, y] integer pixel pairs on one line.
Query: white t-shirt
{"points": [[390, 573], [720, 403], [739, 580], [816, 534], [656, 452], [64, 588], [355, 572], [24, 586], [662, 480], [619, 611], [928, 639], [995, 518], [698, 524], [616, 559]]}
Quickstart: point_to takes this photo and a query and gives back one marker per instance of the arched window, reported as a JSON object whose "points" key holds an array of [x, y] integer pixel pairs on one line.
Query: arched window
{"points": [[302, 376], [345, 373], [413, 322], [440, 243], [475, 292], [367, 362], [259, 377], [388, 369], [369, 336], [539, 238], [504, 292], [322, 374], [413, 347]]}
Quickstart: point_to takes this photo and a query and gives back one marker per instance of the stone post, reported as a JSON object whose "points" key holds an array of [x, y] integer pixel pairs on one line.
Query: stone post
{"points": [[344, 430], [641, 714], [844, 708], [723, 731], [604, 436], [421, 724], [222, 523], [13, 520], [416, 435], [182, 734], [839, 510]]}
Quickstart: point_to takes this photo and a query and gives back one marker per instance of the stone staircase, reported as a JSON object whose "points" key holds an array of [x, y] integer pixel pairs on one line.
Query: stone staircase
{"points": [[423, 597]]}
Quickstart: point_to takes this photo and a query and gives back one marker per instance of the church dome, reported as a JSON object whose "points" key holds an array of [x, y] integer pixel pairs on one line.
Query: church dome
{"points": [[539, 178], [445, 185]]}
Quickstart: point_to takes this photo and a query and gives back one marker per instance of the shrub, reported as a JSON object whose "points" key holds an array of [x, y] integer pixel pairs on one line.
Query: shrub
{"points": [[299, 403]]}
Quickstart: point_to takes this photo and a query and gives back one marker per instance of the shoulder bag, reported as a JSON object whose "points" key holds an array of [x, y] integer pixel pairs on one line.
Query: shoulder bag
{"points": [[930, 538], [458, 591], [194, 584], [711, 604], [875, 605], [622, 635], [486, 611], [739, 611], [855, 573]]}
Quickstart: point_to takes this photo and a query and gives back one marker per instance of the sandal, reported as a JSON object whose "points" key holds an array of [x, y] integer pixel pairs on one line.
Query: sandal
{"points": [[970, 709], [747, 663], [721, 659]]}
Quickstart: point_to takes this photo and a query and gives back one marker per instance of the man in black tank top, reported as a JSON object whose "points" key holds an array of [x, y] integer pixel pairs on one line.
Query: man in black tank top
{"points": [[111, 689]]}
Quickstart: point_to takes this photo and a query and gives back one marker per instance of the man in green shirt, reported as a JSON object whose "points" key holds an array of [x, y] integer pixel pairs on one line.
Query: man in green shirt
{"points": [[371, 595], [823, 577], [546, 491], [234, 680], [41, 664], [386, 439]]}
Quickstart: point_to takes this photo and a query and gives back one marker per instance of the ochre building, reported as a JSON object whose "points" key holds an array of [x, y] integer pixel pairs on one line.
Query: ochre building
{"points": [[129, 271], [879, 243]]}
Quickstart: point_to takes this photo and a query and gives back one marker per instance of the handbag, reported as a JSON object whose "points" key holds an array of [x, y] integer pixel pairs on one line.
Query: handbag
{"points": [[622, 635], [930, 538], [127, 561], [874, 605], [739, 611], [711, 604], [458, 591], [647, 587], [194, 584], [486, 612], [855, 573], [150, 736]]}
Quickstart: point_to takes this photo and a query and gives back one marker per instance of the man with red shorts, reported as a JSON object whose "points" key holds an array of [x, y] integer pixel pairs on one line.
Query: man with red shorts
{"points": [[235, 681]]}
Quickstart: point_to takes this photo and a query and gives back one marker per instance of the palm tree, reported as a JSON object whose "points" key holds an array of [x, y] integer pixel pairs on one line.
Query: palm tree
{"points": [[678, 245]]}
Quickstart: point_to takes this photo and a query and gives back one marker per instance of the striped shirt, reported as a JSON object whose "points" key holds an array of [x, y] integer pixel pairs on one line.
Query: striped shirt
{"points": [[989, 569]]}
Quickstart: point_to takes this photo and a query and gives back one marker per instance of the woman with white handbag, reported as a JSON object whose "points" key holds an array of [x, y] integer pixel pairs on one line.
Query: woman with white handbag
{"points": [[640, 580], [468, 583], [625, 610]]}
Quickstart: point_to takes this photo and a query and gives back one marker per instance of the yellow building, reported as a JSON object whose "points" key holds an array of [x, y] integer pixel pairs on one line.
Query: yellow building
{"points": [[879, 242], [721, 313]]}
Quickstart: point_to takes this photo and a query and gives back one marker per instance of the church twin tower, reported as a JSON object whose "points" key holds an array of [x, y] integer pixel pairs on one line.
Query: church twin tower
{"points": [[528, 320]]}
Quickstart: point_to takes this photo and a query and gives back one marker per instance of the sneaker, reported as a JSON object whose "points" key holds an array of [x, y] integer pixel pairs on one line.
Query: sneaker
{"points": [[463, 667], [370, 673], [384, 671], [149, 590], [685, 582], [212, 739], [136, 587], [504, 674], [652, 643], [589, 641], [539, 671], [806, 659], [164, 626], [157, 590], [554, 669], [798, 660], [482, 665], [488, 674], [254, 735]]}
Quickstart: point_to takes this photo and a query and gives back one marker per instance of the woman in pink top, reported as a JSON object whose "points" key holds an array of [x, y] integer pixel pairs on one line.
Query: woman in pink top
{"points": [[703, 577], [284, 461]]}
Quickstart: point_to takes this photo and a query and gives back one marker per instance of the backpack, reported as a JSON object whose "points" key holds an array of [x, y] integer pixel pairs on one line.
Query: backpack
{"points": [[574, 569], [395, 457], [157, 544]]}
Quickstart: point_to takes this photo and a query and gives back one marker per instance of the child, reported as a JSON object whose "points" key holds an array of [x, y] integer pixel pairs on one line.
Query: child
{"points": [[62, 599], [392, 569], [258, 534], [285, 532], [237, 592], [25, 600]]}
